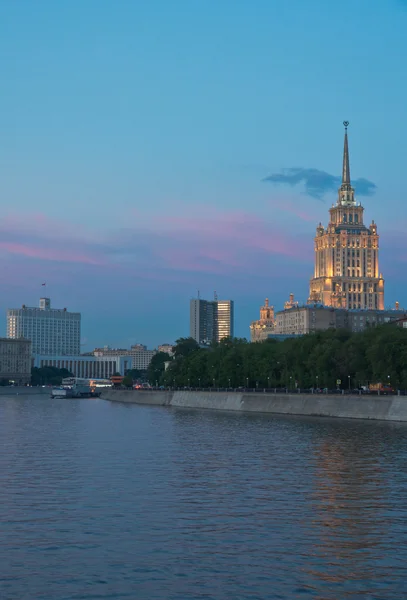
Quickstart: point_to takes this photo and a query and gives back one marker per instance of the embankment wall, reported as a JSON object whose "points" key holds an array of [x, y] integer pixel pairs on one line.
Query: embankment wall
{"points": [[386, 408]]}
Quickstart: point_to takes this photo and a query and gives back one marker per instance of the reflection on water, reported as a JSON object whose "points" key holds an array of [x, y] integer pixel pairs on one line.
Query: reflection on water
{"points": [[102, 500]]}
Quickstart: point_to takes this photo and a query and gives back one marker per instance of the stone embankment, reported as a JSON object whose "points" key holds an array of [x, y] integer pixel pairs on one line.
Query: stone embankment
{"points": [[23, 391], [386, 408]]}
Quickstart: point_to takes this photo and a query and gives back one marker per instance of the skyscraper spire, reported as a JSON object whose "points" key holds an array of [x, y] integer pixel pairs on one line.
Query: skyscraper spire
{"points": [[345, 166]]}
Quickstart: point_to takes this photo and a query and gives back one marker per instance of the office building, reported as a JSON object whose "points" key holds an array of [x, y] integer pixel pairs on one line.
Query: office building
{"points": [[52, 331], [261, 329], [99, 367], [15, 360], [346, 273], [167, 348], [211, 320], [300, 320], [138, 354]]}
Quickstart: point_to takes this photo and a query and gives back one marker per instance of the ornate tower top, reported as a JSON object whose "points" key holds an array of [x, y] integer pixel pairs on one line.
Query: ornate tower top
{"points": [[345, 166], [346, 194]]}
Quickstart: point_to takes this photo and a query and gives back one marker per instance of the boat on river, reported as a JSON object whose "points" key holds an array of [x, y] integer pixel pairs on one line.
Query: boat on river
{"points": [[75, 391]]}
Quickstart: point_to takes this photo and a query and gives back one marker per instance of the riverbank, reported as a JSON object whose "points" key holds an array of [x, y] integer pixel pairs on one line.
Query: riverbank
{"points": [[23, 391], [383, 408]]}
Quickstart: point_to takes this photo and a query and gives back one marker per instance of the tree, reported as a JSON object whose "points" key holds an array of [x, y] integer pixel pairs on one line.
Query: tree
{"points": [[379, 354], [134, 374], [127, 381], [185, 346], [156, 367], [48, 375]]}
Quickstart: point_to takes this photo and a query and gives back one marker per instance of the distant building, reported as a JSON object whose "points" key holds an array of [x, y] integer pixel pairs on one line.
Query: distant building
{"points": [[300, 320], [140, 359], [99, 367], [15, 360], [51, 330], [211, 320], [261, 329], [107, 351], [346, 273], [167, 348], [138, 354]]}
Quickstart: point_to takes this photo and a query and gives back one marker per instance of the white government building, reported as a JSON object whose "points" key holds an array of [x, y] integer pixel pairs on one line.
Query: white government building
{"points": [[87, 366], [52, 331]]}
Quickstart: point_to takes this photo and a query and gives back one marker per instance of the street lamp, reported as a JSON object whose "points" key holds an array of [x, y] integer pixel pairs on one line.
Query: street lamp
{"points": [[316, 377], [247, 382], [214, 382], [349, 382], [199, 381], [188, 382], [229, 381], [268, 382]]}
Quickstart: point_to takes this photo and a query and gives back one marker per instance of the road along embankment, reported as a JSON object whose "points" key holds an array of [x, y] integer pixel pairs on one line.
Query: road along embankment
{"points": [[384, 408]]}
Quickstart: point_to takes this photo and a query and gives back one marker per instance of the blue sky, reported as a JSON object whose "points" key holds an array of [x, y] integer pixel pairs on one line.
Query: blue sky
{"points": [[142, 141]]}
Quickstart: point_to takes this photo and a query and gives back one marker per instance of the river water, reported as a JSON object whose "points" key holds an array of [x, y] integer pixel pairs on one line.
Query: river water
{"points": [[101, 500]]}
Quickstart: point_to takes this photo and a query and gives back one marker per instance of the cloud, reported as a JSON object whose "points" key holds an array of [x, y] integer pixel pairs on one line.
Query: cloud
{"points": [[201, 240], [318, 183]]}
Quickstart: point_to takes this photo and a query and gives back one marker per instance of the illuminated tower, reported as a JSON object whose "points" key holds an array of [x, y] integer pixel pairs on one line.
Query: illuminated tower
{"points": [[261, 329], [346, 273]]}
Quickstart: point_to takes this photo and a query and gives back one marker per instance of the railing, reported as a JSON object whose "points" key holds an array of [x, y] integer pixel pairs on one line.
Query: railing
{"points": [[263, 390]]}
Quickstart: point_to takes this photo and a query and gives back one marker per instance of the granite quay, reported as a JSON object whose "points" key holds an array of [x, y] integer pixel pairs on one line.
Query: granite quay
{"points": [[376, 407]]}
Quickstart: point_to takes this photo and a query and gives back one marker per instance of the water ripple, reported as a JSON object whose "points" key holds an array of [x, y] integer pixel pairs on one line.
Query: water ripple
{"points": [[102, 501]]}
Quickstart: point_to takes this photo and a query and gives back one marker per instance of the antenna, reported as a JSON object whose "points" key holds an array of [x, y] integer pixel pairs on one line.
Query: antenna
{"points": [[215, 296], [198, 295]]}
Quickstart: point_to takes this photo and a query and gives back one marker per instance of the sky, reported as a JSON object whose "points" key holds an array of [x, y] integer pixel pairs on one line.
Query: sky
{"points": [[150, 149]]}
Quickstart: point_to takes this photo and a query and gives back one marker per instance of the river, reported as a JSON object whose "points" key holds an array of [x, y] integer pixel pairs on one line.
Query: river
{"points": [[102, 500]]}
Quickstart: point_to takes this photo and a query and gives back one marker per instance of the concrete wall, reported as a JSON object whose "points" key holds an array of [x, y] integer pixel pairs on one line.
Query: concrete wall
{"points": [[387, 408], [23, 391]]}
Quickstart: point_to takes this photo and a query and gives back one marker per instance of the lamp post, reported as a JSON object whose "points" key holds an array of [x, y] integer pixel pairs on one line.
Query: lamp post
{"points": [[349, 382], [188, 382], [229, 381], [199, 381], [247, 382], [316, 379], [268, 382], [214, 382], [290, 383]]}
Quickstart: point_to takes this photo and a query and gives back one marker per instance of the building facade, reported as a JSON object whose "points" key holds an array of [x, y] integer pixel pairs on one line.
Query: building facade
{"points": [[15, 360], [52, 331], [98, 367], [211, 320], [167, 348], [300, 320], [138, 354], [261, 329], [346, 273]]}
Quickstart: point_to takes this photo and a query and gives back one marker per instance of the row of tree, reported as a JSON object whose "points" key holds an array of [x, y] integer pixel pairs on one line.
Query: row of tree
{"points": [[320, 359]]}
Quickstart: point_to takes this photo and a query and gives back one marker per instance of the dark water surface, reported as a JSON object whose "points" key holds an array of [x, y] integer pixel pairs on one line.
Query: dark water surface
{"points": [[101, 500]]}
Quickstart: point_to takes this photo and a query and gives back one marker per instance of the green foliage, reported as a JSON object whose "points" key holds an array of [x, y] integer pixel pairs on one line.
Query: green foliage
{"points": [[379, 354], [156, 367], [4, 382], [48, 375], [127, 381], [185, 346], [134, 374]]}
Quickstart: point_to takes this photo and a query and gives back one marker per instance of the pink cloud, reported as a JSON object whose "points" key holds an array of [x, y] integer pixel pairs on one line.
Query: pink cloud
{"points": [[53, 254], [292, 209]]}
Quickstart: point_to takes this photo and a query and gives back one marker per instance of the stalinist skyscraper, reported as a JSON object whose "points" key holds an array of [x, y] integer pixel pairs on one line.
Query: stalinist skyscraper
{"points": [[346, 273]]}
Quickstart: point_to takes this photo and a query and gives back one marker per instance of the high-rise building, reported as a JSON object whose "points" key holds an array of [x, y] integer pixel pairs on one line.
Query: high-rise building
{"points": [[261, 329], [211, 320], [15, 360], [52, 331], [346, 273]]}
